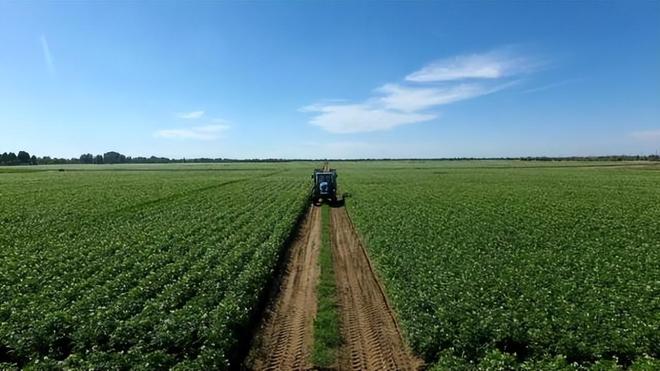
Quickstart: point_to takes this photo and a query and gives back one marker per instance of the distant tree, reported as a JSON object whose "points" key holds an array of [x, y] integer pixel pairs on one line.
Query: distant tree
{"points": [[11, 158], [113, 157], [33, 160], [98, 159], [23, 157], [87, 158]]}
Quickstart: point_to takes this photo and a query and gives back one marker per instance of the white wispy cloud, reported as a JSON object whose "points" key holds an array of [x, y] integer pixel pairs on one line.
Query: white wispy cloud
{"points": [[495, 64], [190, 115], [411, 99], [356, 118], [48, 57], [646, 135], [206, 132], [440, 83]]}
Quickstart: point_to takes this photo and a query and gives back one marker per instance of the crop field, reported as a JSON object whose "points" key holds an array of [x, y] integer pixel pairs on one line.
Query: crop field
{"points": [[533, 265], [146, 267], [474, 265]]}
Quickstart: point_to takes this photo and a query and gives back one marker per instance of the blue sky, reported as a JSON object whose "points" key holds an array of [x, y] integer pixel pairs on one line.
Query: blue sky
{"points": [[330, 79]]}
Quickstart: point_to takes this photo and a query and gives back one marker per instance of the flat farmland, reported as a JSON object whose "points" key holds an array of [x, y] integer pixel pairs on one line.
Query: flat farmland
{"points": [[447, 265], [146, 267], [503, 265]]}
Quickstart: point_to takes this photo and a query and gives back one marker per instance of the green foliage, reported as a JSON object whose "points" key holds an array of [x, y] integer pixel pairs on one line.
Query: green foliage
{"points": [[646, 364], [327, 338], [543, 262], [496, 360], [489, 264], [139, 269]]}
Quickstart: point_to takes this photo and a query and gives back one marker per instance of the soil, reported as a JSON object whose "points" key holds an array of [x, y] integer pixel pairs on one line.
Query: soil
{"points": [[372, 339], [285, 340]]}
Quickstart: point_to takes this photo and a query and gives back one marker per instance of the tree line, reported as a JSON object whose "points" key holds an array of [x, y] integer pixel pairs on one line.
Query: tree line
{"points": [[22, 158], [112, 157]]}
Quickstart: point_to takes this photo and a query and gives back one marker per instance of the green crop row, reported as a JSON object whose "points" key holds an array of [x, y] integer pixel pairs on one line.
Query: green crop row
{"points": [[514, 268], [138, 269]]}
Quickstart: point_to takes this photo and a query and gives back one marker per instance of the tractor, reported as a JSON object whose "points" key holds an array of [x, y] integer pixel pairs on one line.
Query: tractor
{"points": [[325, 185]]}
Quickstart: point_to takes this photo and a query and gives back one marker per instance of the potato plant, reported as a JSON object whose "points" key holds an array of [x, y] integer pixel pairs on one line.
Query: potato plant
{"points": [[149, 268], [547, 267]]}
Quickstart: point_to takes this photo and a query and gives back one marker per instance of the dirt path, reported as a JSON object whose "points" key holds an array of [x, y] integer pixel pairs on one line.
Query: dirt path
{"points": [[285, 340], [372, 340]]}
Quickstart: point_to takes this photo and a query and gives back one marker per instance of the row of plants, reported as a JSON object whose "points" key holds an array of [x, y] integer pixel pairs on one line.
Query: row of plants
{"points": [[516, 268], [138, 269]]}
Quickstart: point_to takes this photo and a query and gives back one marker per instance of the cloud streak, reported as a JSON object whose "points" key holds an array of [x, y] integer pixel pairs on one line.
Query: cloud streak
{"points": [[206, 132], [499, 63], [411, 99], [440, 83], [358, 118], [48, 57], [193, 115]]}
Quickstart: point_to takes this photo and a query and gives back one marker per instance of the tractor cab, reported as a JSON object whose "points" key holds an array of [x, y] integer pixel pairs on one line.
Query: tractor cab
{"points": [[325, 185]]}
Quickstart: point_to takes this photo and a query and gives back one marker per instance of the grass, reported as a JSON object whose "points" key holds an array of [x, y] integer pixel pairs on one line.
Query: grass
{"points": [[326, 330]]}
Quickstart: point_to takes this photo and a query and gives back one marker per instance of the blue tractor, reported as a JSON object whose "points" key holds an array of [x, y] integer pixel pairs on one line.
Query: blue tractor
{"points": [[325, 185]]}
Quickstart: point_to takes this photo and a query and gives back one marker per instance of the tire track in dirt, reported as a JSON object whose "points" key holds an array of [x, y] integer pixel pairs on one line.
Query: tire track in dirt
{"points": [[372, 340], [285, 340]]}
